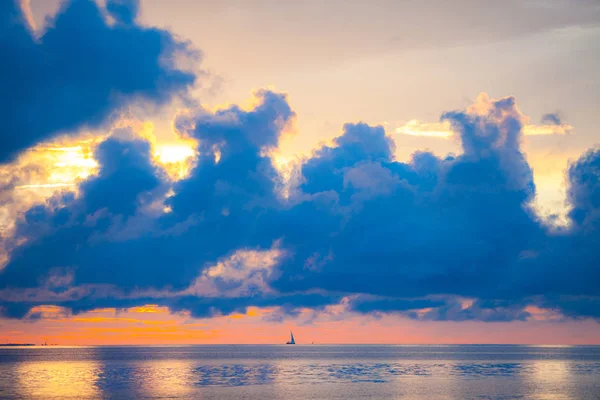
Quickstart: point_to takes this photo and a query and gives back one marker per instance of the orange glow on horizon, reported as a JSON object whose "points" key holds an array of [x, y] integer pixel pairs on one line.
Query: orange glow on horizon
{"points": [[130, 326]]}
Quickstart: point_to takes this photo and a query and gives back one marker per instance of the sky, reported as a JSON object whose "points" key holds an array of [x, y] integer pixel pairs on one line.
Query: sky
{"points": [[228, 171]]}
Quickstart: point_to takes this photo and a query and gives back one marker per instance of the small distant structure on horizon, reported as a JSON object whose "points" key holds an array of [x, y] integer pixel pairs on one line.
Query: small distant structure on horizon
{"points": [[292, 341]]}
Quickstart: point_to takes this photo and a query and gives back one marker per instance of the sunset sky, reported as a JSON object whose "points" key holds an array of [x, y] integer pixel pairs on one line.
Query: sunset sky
{"points": [[356, 172]]}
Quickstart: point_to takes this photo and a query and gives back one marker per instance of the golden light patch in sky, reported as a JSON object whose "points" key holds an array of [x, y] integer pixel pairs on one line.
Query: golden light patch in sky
{"points": [[64, 165], [251, 312], [149, 308], [418, 128], [287, 167], [176, 158], [550, 198], [443, 130], [254, 312], [45, 185], [549, 169], [535, 130], [176, 155], [172, 153], [48, 312], [58, 165], [103, 320]]}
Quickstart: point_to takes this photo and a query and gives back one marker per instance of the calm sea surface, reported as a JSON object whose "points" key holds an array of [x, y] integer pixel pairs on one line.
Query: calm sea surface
{"points": [[301, 372]]}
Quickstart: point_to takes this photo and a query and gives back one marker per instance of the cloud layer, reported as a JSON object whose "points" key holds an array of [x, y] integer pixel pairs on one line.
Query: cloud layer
{"points": [[436, 238]]}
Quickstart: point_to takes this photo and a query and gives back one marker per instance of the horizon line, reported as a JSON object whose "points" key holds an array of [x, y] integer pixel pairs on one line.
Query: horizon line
{"points": [[29, 345]]}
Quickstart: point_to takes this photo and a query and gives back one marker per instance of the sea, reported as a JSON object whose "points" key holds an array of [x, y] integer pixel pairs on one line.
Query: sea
{"points": [[301, 372]]}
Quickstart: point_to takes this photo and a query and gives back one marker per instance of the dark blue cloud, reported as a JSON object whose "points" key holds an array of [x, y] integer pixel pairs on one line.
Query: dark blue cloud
{"points": [[109, 237], [232, 175], [447, 309], [566, 270], [205, 307], [198, 307], [125, 173], [551, 119], [449, 238], [367, 305], [584, 189], [80, 70], [486, 311], [76, 233], [433, 226]]}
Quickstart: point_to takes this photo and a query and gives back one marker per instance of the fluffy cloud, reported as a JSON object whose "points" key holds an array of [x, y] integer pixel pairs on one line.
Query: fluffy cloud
{"points": [[111, 235], [449, 238], [80, 70]]}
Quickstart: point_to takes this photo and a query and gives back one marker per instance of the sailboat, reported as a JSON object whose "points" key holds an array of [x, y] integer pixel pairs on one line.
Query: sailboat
{"points": [[292, 341]]}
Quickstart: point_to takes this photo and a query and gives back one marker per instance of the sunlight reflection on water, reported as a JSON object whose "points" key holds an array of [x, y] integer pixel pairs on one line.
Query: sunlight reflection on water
{"points": [[273, 372], [42, 379]]}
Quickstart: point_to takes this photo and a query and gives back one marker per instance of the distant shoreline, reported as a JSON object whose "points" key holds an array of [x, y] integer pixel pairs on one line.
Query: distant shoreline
{"points": [[16, 344]]}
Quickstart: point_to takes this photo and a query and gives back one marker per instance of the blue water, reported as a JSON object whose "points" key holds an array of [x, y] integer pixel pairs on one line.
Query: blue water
{"points": [[301, 372]]}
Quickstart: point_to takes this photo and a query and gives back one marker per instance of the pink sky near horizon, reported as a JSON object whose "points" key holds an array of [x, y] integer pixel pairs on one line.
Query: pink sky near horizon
{"points": [[151, 325]]}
